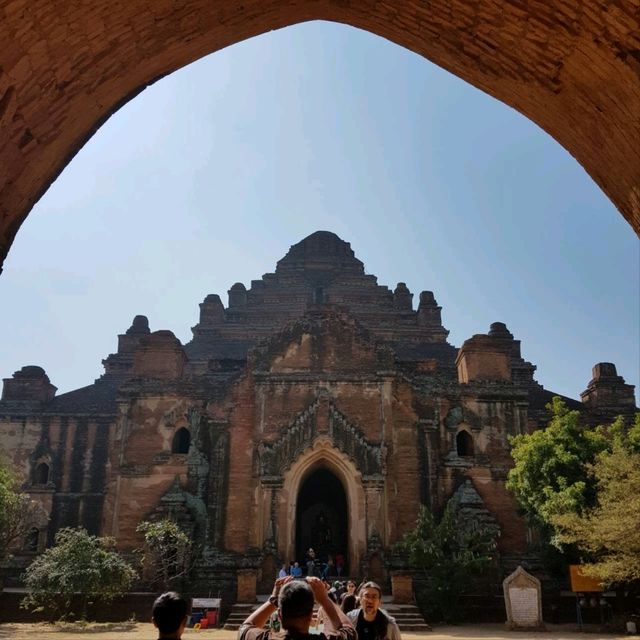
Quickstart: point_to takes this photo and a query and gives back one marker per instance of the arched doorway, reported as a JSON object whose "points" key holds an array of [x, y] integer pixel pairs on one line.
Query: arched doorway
{"points": [[321, 516]]}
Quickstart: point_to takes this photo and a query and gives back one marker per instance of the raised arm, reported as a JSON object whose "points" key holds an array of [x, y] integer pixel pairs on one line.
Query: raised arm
{"points": [[333, 616], [259, 617]]}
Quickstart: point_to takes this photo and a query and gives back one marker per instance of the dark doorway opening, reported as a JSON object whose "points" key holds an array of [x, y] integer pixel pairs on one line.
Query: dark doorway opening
{"points": [[464, 444], [181, 441], [321, 520]]}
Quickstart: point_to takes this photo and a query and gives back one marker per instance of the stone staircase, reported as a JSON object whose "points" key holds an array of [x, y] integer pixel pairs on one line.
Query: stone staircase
{"points": [[238, 614], [407, 616]]}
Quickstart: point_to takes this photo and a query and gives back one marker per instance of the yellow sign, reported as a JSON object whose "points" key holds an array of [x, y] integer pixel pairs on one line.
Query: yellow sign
{"points": [[582, 583]]}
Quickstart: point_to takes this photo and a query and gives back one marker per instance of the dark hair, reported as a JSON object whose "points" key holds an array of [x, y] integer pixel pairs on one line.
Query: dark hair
{"points": [[370, 585], [169, 611], [296, 601]]}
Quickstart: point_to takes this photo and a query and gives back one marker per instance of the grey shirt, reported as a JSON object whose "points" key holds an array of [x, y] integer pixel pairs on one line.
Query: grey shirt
{"points": [[393, 631]]}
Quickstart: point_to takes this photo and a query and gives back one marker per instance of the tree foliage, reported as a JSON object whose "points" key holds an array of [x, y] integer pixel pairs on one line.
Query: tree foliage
{"points": [[166, 553], [608, 534], [448, 556], [79, 568], [19, 514], [581, 484], [549, 475]]}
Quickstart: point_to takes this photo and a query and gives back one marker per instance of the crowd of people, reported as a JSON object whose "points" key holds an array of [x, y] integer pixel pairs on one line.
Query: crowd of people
{"points": [[344, 612], [314, 565]]}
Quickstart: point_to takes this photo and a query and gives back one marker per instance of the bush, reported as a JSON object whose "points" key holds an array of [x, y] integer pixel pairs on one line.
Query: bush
{"points": [[78, 568]]}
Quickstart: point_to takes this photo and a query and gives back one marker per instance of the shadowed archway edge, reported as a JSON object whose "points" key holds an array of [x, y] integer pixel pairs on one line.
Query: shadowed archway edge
{"points": [[571, 66]]}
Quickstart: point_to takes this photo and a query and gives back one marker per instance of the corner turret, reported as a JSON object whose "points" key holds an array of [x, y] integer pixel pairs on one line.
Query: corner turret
{"points": [[30, 384], [607, 395]]}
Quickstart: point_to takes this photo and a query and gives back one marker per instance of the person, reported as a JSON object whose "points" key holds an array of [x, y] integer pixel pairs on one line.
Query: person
{"points": [[283, 573], [311, 561], [296, 570], [349, 601], [330, 566], [335, 592], [294, 600], [371, 622], [169, 615], [339, 564]]}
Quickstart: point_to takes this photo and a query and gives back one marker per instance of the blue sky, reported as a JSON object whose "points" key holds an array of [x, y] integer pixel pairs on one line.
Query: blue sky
{"points": [[207, 177]]}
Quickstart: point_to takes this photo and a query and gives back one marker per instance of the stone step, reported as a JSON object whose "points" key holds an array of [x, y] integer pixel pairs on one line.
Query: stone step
{"points": [[407, 616]]}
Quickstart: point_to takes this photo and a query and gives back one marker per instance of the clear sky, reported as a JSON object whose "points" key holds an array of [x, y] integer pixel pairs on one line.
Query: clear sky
{"points": [[207, 177]]}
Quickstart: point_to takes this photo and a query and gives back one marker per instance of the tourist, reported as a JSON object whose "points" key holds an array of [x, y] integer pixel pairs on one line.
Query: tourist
{"points": [[371, 622], [339, 564], [296, 570], [283, 573], [330, 593], [311, 561], [169, 615], [294, 600], [335, 591], [330, 566], [349, 601]]}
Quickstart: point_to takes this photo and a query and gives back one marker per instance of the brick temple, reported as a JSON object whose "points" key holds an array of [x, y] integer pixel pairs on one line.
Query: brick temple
{"points": [[318, 408]]}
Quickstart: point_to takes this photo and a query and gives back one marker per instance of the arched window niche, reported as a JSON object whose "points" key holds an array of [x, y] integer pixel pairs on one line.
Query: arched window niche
{"points": [[464, 444], [32, 541], [181, 441], [41, 473]]}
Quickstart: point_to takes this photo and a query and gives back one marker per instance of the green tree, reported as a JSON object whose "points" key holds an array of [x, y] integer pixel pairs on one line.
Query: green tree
{"points": [[448, 557], [549, 475], [166, 556], [78, 568], [18, 512], [608, 534]]}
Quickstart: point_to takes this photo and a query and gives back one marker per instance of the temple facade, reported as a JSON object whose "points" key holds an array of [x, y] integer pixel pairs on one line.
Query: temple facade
{"points": [[318, 408]]}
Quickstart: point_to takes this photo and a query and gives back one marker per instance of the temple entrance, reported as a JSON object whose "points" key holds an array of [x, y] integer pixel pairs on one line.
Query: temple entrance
{"points": [[321, 518]]}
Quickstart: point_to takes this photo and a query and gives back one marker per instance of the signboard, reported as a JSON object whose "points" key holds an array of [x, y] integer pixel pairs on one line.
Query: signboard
{"points": [[580, 582], [522, 599], [205, 603], [524, 606]]}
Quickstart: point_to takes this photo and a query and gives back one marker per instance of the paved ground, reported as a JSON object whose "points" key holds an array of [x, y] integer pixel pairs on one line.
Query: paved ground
{"points": [[139, 631]]}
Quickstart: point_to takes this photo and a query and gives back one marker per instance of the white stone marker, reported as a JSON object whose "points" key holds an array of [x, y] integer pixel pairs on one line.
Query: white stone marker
{"points": [[522, 600]]}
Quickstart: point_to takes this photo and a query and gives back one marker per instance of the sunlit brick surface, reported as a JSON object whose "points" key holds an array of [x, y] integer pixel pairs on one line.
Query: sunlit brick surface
{"points": [[572, 66]]}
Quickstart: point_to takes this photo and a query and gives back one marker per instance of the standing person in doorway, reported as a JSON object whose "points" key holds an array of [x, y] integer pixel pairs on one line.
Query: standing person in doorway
{"points": [[311, 561], [294, 601], [371, 622]]}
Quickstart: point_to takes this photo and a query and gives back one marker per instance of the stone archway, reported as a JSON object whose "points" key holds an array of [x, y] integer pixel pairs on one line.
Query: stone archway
{"points": [[321, 515], [323, 456], [572, 67]]}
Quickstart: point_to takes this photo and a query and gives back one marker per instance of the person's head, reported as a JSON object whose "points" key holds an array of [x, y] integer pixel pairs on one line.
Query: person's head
{"points": [[296, 564], [169, 614], [295, 604], [351, 586], [370, 595]]}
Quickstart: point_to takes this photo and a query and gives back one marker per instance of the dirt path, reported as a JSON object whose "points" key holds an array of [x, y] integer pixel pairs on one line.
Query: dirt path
{"points": [[140, 631]]}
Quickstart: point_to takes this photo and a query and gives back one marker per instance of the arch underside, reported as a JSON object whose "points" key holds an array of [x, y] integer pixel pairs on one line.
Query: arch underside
{"points": [[573, 67]]}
